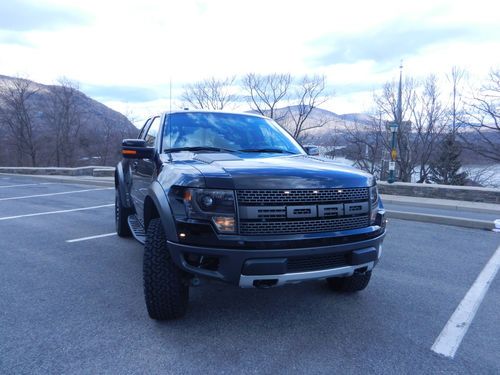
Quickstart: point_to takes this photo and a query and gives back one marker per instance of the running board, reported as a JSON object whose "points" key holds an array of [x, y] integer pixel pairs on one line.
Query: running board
{"points": [[137, 229]]}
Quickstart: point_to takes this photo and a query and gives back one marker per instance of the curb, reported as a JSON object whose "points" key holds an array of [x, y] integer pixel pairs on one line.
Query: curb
{"points": [[444, 220], [454, 205]]}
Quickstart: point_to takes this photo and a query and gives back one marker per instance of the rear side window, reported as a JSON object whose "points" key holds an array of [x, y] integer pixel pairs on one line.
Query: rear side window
{"points": [[153, 132]]}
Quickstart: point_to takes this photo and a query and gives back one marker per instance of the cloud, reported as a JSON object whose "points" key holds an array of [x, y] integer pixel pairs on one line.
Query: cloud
{"points": [[24, 15], [354, 87], [120, 93], [390, 43], [13, 38]]}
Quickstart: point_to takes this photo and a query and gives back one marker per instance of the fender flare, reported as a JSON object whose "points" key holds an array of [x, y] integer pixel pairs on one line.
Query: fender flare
{"points": [[121, 186], [160, 201]]}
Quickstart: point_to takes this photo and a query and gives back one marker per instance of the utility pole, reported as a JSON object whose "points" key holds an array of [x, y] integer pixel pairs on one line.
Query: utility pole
{"points": [[393, 126]]}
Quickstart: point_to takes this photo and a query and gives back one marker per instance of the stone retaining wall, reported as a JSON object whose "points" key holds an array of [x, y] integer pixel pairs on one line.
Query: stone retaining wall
{"points": [[462, 193], [80, 171]]}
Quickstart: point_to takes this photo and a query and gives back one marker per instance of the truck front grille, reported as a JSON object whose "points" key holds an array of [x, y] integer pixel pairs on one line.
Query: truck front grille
{"points": [[258, 197], [267, 212], [303, 226]]}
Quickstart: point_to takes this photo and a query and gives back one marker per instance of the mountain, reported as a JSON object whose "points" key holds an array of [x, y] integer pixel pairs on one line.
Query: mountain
{"points": [[360, 118], [57, 125]]}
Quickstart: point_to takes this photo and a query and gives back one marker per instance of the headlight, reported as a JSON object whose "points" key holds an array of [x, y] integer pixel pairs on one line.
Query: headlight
{"points": [[216, 206], [374, 204]]}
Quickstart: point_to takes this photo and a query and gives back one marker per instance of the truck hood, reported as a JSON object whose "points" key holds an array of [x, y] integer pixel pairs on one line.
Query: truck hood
{"points": [[263, 171]]}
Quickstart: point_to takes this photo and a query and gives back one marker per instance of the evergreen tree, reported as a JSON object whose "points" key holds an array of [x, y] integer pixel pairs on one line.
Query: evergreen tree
{"points": [[445, 168]]}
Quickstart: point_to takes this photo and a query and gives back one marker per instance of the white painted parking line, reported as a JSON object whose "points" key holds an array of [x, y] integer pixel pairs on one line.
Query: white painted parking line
{"points": [[55, 212], [454, 331], [91, 237], [22, 185], [50, 194]]}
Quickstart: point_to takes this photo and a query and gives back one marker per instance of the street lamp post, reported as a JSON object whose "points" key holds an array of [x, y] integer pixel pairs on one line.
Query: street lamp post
{"points": [[393, 126]]}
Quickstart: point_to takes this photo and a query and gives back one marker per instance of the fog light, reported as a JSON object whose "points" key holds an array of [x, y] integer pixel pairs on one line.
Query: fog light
{"points": [[224, 224], [182, 235]]}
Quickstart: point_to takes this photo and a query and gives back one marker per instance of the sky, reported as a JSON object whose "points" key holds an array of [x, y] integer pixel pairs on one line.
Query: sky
{"points": [[127, 53]]}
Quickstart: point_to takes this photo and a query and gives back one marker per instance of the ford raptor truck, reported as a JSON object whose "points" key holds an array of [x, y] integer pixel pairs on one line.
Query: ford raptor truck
{"points": [[233, 197]]}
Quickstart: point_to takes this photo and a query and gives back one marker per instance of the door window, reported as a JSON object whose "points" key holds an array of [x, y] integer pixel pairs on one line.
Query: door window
{"points": [[152, 132]]}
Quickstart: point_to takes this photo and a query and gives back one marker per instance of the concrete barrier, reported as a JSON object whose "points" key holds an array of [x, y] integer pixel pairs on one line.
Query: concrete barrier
{"points": [[462, 193]]}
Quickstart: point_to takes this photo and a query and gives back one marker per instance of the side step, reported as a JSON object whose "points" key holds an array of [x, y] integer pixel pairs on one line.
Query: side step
{"points": [[137, 229]]}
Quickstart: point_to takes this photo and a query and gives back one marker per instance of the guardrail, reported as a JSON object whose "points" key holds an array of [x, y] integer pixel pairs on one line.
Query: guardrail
{"points": [[463, 193]]}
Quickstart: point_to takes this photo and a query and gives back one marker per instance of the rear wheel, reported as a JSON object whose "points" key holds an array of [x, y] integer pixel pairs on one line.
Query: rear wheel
{"points": [[165, 288], [121, 215], [350, 284]]}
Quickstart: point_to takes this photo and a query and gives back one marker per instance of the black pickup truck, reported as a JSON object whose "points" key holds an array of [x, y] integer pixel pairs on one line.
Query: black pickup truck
{"points": [[233, 197]]}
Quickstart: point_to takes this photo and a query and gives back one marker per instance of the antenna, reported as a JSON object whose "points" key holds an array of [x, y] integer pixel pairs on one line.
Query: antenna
{"points": [[170, 96]]}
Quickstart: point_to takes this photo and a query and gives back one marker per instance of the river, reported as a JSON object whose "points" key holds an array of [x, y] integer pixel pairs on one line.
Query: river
{"points": [[487, 175]]}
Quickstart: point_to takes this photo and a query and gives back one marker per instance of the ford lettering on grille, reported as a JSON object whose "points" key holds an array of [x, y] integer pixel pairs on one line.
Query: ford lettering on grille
{"points": [[303, 212]]}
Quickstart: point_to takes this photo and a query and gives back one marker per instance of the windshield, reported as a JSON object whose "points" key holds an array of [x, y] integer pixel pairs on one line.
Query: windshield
{"points": [[236, 132]]}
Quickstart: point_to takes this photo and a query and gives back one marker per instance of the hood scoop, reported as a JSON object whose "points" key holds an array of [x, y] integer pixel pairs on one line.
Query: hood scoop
{"points": [[214, 157]]}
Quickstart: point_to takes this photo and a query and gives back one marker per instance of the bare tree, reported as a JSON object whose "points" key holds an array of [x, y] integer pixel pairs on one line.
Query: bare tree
{"points": [[456, 77], [366, 144], [65, 116], [19, 118], [480, 125], [421, 124], [210, 93], [387, 106], [309, 93], [427, 117], [482, 176], [265, 92]]}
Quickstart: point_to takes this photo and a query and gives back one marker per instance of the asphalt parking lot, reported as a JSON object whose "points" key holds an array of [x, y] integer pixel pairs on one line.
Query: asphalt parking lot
{"points": [[72, 303]]}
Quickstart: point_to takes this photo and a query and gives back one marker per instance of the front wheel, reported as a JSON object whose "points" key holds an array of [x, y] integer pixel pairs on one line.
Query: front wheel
{"points": [[350, 284], [165, 288]]}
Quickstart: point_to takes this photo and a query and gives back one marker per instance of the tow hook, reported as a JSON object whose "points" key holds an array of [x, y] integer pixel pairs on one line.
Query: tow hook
{"points": [[265, 284], [194, 281]]}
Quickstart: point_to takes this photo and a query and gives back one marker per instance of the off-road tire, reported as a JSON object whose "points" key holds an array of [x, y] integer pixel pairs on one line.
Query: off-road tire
{"points": [[350, 284], [121, 215], [165, 289]]}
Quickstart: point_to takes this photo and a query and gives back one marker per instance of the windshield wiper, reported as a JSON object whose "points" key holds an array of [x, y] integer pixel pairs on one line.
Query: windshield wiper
{"points": [[276, 150], [197, 148]]}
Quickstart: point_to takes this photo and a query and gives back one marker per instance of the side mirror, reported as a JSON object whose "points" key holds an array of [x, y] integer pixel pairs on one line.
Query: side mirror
{"points": [[311, 150], [137, 149]]}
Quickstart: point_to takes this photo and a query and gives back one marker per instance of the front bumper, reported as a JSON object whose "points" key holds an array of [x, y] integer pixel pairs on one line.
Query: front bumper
{"points": [[250, 281], [270, 267]]}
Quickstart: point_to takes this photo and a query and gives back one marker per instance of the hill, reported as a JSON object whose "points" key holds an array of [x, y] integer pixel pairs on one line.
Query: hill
{"points": [[57, 125]]}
